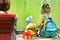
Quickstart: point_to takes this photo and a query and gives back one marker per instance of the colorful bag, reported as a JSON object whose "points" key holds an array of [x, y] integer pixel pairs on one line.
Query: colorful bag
{"points": [[50, 28]]}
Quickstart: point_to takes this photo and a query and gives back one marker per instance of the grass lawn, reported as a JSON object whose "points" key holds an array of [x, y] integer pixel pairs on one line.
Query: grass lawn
{"points": [[24, 8]]}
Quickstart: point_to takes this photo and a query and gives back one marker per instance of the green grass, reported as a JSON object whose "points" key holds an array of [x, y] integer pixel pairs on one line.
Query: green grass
{"points": [[24, 8]]}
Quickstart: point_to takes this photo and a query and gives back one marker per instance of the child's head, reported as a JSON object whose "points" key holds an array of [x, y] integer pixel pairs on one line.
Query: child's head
{"points": [[29, 19], [42, 11], [4, 5], [45, 8]]}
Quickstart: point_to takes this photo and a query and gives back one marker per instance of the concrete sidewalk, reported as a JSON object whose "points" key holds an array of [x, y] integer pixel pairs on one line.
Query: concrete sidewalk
{"points": [[19, 37]]}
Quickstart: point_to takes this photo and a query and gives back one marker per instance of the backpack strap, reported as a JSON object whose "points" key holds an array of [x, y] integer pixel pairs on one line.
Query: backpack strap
{"points": [[50, 15], [46, 15], [46, 19]]}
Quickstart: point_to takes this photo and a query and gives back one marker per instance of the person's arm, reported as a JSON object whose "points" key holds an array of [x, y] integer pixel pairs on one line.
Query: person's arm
{"points": [[27, 27], [41, 21], [33, 25]]}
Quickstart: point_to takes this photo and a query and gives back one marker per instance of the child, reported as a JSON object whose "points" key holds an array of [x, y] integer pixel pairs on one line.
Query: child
{"points": [[30, 28], [42, 21], [45, 10]]}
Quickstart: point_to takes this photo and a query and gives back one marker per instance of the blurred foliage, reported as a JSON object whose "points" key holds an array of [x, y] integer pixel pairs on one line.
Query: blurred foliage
{"points": [[24, 8]]}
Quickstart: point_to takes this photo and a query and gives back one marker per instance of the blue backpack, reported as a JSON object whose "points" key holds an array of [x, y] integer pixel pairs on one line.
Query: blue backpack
{"points": [[50, 28]]}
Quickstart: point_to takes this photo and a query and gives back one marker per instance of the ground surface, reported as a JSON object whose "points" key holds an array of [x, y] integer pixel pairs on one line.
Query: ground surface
{"points": [[19, 37]]}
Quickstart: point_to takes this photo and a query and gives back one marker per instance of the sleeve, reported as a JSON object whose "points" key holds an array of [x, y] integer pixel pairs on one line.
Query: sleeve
{"points": [[33, 25], [41, 20]]}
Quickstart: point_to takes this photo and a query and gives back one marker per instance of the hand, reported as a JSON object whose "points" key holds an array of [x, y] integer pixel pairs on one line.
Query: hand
{"points": [[27, 27], [25, 30]]}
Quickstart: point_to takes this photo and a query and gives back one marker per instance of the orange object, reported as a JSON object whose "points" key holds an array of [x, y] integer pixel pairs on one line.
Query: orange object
{"points": [[27, 35]]}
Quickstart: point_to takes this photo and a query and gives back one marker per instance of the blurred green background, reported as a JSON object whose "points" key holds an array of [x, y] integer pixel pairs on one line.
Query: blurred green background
{"points": [[24, 8]]}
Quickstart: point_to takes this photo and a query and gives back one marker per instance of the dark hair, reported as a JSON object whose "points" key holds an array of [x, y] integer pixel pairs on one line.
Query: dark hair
{"points": [[4, 5], [45, 6]]}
